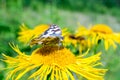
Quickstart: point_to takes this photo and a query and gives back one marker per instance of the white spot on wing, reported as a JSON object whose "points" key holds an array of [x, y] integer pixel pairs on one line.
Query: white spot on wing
{"points": [[58, 32]]}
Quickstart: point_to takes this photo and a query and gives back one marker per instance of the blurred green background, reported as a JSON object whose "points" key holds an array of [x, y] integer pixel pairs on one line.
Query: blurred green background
{"points": [[65, 13]]}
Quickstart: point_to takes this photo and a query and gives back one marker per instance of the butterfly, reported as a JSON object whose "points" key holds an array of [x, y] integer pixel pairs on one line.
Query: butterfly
{"points": [[52, 36]]}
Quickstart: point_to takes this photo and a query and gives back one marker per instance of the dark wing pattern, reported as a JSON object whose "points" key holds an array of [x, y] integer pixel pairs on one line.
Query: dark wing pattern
{"points": [[52, 35]]}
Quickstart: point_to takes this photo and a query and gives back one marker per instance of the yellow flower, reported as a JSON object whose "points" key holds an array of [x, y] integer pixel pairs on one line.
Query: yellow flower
{"points": [[100, 32], [26, 34], [79, 42], [55, 63], [68, 40]]}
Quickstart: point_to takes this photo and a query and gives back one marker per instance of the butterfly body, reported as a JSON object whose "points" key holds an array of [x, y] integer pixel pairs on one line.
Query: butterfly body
{"points": [[52, 36]]}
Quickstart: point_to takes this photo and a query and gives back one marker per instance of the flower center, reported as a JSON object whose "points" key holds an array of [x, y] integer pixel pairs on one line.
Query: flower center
{"points": [[53, 55], [102, 29]]}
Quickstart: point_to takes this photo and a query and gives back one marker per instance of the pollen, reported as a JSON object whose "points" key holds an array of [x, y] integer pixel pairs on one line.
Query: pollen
{"points": [[53, 55]]}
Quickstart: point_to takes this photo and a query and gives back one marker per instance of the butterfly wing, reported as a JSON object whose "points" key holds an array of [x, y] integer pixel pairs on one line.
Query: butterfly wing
{"points": [[50, 36]]}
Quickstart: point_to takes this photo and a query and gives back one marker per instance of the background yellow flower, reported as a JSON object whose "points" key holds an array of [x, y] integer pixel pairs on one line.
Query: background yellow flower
{"points": [[26, 34], [100, 32]]}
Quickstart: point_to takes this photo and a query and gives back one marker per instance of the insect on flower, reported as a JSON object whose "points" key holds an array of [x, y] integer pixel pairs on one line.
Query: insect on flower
{"points": [[79, 38], [51, 36]]}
